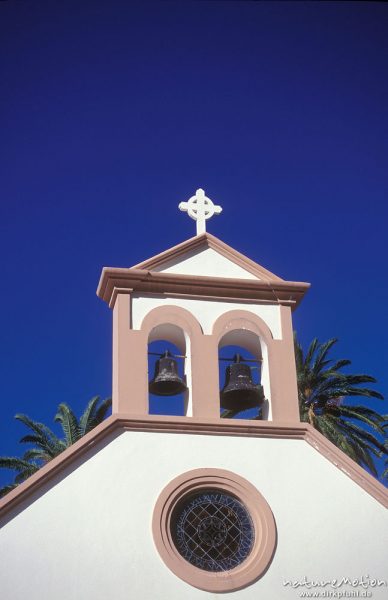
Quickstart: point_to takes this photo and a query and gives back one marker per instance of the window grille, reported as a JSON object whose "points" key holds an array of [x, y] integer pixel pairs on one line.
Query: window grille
{"points": [[212, 530]]}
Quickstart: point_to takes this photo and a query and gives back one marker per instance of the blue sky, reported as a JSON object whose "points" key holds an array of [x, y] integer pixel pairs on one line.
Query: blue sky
{"points": [[111, 113]]}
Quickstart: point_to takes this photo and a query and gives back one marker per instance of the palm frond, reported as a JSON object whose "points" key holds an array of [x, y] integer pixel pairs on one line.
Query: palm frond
{"points": [[353, 413], [310, 352], [351, 391], [46, 444], [7, 488], [298, 353], [321, 353], [100, 413], [339, 364], [88, 415], [364, 458], [23, 468], [37, 454], [69, 423], [43, 436], [321, 390], [351, 429]]}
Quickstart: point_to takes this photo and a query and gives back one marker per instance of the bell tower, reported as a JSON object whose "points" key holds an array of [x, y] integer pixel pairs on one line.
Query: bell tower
{"points": [[216, 311], [180, 497]]}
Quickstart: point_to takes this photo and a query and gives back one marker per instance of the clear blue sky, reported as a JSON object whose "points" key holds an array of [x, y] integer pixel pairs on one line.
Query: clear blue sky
{"points": [[113, 112]]}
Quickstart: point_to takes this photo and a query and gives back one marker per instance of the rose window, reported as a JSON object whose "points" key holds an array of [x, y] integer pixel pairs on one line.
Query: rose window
{"points": [[212, 530]]}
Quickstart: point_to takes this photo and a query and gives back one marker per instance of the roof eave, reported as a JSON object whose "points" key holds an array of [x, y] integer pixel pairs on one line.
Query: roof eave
{"points": [[203, 241], [289, 293], [169, 424]]}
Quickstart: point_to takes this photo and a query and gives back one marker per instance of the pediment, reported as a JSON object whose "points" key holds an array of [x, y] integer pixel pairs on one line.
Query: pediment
{"points": [[206, 255]]}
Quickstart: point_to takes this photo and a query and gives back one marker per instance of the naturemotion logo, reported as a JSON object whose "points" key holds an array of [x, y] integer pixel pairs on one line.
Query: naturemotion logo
{"points": [[342, 587]]}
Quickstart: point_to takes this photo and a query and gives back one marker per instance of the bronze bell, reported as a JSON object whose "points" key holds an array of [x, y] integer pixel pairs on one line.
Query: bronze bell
{"points": [[166, 381], [240, 393]]}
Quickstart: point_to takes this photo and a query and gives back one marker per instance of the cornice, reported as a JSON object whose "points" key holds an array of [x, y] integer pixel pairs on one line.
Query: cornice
{"points": [[221, 427], [288, 293], [144, 278]]}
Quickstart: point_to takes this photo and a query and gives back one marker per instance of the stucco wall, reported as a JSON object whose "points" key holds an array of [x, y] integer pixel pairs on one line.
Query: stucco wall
{"points": [[88, 535]]}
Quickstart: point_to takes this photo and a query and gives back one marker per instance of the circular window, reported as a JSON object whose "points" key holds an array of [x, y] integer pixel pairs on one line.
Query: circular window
{"points": [[214, 530]]}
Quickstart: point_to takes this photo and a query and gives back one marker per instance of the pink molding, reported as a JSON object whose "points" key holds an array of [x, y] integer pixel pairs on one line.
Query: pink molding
{"points": [[202, 242], [281, 359], [142, 277], [264, 524], [225, 427], [175, 315], [130, 368], [289, 293], [126, 363], [202, 359]]}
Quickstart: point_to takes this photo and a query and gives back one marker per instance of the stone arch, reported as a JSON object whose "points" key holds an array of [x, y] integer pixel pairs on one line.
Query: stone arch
{"points": [[242, 319], [179, 326], [245, 329], [175, 315]]}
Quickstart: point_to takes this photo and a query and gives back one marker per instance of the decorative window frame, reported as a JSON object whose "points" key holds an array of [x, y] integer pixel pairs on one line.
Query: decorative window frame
{"points": [[263, 520]]}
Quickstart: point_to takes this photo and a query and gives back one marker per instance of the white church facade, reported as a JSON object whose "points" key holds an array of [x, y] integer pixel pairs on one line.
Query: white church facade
{"points": [[186, 506]]}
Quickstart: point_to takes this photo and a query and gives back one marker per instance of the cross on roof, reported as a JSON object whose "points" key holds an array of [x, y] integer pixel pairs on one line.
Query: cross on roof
{"points": [[200, 208]]}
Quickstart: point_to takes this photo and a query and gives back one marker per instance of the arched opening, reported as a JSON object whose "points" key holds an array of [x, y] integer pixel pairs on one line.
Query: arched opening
{"points": [[169, 372], [242, 376]]}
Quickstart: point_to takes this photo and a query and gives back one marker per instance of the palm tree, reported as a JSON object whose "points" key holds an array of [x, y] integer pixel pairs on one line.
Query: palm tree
{"points": [[47, 444], [322, 390], [384, 475]]}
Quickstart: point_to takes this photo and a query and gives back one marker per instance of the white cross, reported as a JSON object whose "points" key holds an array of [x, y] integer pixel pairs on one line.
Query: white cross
{"points": [[200, 208]]}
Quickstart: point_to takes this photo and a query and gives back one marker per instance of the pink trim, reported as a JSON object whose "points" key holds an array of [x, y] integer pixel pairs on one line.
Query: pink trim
{"points": [[228, 427], [126, 363], [130, 383], [202, 242], [281, 359], [175, 315], [203, 388], [265, 538], [285, 379], [241, 319], [289, 293]]}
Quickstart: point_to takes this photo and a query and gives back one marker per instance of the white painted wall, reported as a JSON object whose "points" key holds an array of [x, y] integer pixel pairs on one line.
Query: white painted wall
{"points": [[205, 311], [265, 382], [89, 536], [208, 263]]}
